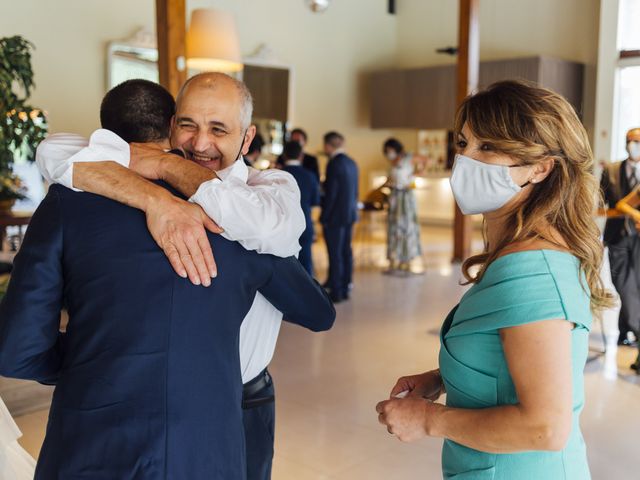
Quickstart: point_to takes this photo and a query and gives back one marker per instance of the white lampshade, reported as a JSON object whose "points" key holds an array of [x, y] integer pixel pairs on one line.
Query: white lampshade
{"points": [[212, 42]]}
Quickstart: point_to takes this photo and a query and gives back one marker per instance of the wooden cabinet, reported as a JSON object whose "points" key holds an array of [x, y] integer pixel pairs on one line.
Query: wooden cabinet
{"points": [[424, 98], [269, 87]]}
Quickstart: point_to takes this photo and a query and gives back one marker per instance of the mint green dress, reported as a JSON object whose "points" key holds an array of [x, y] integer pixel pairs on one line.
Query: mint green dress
{"points": [[517, 289]]}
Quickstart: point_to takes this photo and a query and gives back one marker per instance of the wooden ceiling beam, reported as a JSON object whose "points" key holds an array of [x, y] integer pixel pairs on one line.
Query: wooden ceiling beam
{"points": [[171, 28], [468, 74]]}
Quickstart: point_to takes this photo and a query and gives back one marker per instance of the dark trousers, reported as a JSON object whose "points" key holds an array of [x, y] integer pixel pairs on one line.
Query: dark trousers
{"points": [[259, 418], [338, 239], [624, 258]]}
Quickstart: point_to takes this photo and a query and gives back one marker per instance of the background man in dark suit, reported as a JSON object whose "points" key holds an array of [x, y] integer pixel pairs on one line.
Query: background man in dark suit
{"points": [[309, 162], [620, 235], [309, 197], [339, 213], [147, 356]]}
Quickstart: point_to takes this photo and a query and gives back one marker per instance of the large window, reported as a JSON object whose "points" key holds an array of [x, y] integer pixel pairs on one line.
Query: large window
{"points": [[628, 75], [628, 106], [628, 31]]}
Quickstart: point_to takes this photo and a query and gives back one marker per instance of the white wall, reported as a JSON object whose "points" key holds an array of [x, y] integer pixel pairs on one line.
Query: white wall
{"points": [[69, 63], [330, 53]]}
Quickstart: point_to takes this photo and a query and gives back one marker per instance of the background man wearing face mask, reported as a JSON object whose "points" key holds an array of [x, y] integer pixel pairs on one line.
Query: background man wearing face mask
{"points": [[259, 209], [620, 235]]}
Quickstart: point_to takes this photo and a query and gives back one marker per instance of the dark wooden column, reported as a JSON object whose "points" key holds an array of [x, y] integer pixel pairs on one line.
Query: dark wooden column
{"points": [[468, 72], [171, 28]]}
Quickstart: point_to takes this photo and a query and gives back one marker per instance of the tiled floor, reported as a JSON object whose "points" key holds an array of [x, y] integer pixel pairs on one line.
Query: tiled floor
{"points": [[328, 384]]}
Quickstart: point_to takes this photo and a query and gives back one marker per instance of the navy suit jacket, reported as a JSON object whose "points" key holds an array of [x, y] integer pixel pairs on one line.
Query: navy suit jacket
{"points": [[309, 195], [309, 162], [148, 374], [615, 228], [340, 202]]}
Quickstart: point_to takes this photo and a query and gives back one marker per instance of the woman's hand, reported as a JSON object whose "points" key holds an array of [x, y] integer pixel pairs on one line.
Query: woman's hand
{"points": [[425, 385], [409, 419]]}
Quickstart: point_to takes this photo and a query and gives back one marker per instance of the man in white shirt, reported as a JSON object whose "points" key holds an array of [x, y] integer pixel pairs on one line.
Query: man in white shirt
{"points": [[260, 210]]}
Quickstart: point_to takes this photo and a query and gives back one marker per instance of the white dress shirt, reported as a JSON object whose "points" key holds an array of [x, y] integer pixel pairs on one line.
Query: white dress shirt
{"points": [[259, 209]]}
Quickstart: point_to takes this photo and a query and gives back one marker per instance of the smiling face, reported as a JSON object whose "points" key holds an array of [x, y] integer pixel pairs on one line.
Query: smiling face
{"points": [[208, 123]]}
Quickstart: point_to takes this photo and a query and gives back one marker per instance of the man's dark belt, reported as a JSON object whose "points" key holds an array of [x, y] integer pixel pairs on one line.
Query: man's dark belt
{"points": [[251, 391]]}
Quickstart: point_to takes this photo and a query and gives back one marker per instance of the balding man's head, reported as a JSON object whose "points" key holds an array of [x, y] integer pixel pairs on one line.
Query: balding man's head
{"points": [[216, 80], [633, 144], [213, 120], [633, 135]]}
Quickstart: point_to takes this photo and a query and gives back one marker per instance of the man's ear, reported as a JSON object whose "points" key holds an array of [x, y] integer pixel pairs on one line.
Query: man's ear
{"points": [[248, 138]]}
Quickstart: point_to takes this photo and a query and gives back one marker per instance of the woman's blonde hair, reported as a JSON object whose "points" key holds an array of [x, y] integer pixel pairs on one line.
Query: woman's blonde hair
{"points": [[532, 124]]}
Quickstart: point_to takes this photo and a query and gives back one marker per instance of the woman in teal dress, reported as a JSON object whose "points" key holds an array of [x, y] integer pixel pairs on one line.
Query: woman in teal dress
{"points": [[514, 349]]}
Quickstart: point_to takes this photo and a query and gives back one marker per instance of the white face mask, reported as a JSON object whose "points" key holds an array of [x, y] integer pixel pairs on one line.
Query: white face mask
{"points": [[481, 187], [391, 155], [634, 150]]}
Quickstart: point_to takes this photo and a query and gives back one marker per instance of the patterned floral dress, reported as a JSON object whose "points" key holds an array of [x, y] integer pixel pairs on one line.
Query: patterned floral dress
{"points": [[403, 231]]}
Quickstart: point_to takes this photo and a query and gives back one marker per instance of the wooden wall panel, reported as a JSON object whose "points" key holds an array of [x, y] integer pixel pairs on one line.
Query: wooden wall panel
{"points": [[389, 99], [270, 89], [565, 78], [516, 69], [432, 99], [425, 98]]}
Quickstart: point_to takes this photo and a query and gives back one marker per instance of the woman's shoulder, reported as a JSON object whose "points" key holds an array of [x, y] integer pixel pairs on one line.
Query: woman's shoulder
{"points": [[529, 284], [533, 258]]}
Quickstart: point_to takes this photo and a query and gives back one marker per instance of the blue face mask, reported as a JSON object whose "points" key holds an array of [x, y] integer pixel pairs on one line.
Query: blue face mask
{"points": [[480, 187]]}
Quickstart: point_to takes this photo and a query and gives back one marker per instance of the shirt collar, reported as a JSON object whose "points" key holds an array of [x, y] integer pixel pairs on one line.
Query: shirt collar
{"points": [[337, 152], [237, 170], [293, 163]]}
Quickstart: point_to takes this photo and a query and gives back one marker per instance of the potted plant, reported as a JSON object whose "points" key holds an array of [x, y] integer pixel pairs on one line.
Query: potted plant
{"points": [[22, 127], [11, 189]]}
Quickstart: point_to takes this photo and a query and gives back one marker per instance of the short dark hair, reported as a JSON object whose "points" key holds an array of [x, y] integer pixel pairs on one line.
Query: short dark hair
{"points": [[299, 131], [393, 144], [334, 139], [138, 111], [292, 150], [256, 144]]}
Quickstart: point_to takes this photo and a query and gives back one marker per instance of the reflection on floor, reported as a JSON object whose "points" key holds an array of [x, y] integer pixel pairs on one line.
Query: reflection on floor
{"points": [[328, 384]]}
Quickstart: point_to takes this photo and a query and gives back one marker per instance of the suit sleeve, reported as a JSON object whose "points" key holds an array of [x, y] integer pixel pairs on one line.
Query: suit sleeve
{"points": [[330, 192], [314, 167], [605, 188], [300, 298], [315, 198], [30, 310]]}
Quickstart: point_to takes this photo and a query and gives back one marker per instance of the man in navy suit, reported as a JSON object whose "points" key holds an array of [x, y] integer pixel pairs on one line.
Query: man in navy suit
{"points": [[148, 374], [339, 213], [309, 162], [309, 197]]}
